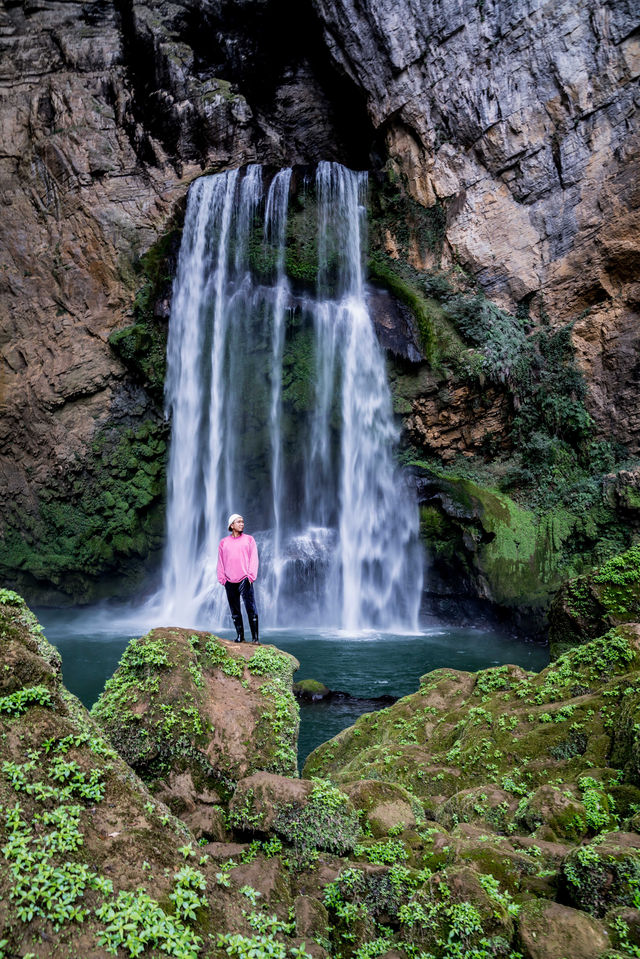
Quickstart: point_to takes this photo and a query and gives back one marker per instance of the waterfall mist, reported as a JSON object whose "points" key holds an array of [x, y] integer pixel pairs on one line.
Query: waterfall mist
{"points": [[281, 411]]}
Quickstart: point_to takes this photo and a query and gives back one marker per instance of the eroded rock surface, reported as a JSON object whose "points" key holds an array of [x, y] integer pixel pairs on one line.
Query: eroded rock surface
{"points": [[523, 120]]}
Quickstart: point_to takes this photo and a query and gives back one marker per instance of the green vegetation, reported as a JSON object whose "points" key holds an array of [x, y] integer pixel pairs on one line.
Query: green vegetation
{"points": [[326, 821], [608, 595], [142, 347], [539, 455], [105, 517], [483, 817]]}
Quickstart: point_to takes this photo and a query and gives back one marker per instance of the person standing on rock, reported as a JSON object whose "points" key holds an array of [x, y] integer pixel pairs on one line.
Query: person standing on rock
{"points": [[237, 571]]}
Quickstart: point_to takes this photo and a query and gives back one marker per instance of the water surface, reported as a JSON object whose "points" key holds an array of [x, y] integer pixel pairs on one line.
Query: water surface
{"points": [[367, 665]]}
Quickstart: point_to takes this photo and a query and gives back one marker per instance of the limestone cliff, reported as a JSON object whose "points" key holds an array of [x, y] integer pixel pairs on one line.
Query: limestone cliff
{"points": [[522, 118]]}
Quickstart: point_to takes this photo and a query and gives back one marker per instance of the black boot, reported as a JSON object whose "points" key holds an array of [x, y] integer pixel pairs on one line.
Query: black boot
{"points": [[253, 626], [239, 625]]}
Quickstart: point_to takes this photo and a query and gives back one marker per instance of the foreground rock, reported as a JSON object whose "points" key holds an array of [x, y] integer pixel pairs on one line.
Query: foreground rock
{"points": [[489, 815], [91, 864], [193, 714]]}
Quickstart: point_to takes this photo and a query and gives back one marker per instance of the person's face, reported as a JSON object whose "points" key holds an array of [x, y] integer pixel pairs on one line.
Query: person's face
{"points": [[237, 526]]}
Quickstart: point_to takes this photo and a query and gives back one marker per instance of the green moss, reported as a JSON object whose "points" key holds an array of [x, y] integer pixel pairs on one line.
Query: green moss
{"points": [[521, 555], [326, 821], [106, 516], [608, 595]]}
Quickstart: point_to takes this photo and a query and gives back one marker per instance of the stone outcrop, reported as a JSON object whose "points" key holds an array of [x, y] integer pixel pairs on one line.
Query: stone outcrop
{"points": [[194, 714], [489, 554], [522, 119], [496, 818]]}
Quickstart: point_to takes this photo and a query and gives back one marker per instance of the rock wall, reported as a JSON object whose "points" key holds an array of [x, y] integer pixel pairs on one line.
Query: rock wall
{"points": [[523, 119]]}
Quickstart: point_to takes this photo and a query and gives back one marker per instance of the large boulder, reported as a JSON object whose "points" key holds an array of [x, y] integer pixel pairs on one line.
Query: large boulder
{"points": [[385, 807], [549, 930], [193, 714]]}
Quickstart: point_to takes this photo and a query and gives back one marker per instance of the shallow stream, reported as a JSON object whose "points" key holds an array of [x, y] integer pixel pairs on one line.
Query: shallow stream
{"points": [[367, 666]]}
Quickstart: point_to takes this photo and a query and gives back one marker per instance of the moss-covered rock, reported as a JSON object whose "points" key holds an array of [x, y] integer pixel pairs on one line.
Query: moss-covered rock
{"points": [[502, 727], [586, 607], [310, 690], [548, 930], [604, 874], [385, 807], [497, 550], [91, 535], [308, 815], [188, 702]]}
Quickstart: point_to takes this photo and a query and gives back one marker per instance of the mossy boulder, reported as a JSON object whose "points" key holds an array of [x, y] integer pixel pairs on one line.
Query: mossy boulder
{"points": [[385, 807], [308, 815], [586, 607], [187, 702], [310, 690], [549, 930], [604, 874]]}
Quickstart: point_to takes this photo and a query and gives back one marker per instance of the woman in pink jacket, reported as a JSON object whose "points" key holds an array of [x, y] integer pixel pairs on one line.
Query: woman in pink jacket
{"points": [[237, 571]]}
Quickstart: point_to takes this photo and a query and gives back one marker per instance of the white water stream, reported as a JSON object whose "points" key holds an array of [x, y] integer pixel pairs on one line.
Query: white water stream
{"points": [[336, 525]]}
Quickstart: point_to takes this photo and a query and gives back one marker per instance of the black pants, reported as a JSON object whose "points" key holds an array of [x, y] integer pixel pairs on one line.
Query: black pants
{"points": [[244, 590]]}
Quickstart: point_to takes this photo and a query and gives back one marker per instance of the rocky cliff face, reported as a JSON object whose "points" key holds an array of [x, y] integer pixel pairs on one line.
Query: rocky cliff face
{"points": [[516, 122], [522, 118]]}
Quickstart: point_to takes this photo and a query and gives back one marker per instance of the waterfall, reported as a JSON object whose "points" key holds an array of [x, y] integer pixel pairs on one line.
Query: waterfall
{"points": [[311, 471]]}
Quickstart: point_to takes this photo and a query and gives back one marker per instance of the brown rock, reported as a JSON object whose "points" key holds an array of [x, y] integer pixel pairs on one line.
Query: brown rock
{"points": [[386, 805], [224, 733], [548, 930], [311, 917], [460, 420], [258, 799], [207, 822]]}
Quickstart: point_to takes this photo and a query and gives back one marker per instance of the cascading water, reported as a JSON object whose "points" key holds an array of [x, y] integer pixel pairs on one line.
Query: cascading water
{"points": [[336, 525]]}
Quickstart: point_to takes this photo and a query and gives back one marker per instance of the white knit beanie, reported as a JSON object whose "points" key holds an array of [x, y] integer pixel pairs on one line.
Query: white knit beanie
{"points": [[233, 518]]}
